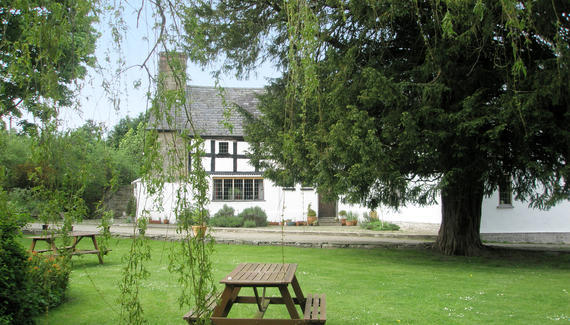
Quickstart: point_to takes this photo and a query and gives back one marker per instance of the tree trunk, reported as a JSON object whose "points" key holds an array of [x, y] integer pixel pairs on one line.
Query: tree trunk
{"points": [[459, 233]]}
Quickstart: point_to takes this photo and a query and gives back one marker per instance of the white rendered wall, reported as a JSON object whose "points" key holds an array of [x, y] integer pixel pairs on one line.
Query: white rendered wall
{"points": [[522, 219], [411, 213], [224, 165], [277, 203]]}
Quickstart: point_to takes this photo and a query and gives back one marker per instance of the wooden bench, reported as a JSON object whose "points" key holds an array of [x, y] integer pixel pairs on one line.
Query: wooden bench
{"points": [[315, 309], [193, 316]]}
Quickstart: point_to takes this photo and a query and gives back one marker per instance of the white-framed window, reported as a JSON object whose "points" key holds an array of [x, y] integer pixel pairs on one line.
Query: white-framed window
{"points": [[223, 147], [505, 192], [238, 189]]}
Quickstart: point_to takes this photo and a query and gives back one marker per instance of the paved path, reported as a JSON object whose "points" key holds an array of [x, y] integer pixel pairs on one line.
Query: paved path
{"points": [[413, 235]]}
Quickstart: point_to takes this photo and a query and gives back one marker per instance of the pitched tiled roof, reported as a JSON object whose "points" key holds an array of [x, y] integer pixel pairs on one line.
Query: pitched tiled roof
{"points": [[207, 111]]}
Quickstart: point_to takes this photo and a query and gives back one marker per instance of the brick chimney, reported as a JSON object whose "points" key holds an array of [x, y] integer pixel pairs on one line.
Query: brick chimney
{"points": [[170, 63]]}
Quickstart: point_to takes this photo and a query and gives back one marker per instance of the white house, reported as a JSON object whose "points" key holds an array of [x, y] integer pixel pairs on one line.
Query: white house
{"points": [[233, 181]]}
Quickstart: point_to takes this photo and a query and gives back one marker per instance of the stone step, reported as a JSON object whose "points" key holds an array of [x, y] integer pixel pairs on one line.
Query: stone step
{"points": [[328, 222]]}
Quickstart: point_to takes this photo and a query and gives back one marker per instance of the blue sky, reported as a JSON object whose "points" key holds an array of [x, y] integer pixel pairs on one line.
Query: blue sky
{"points": [[95, 103]]}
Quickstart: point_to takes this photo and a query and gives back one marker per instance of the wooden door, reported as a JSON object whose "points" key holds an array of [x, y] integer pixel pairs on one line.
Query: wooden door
{"points": [[327, 209]]}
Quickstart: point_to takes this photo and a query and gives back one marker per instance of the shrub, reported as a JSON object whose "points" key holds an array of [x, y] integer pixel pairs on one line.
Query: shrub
{"points": [[249, 224], [225, 211], [256, 214], [15, 306], [379, 225], [226, 221], [225, 217], [49, 276], [342, 213], [24, 201]]}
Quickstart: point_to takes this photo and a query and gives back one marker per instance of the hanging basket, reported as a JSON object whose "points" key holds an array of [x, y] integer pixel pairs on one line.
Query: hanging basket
{"points": [[199, 231]]}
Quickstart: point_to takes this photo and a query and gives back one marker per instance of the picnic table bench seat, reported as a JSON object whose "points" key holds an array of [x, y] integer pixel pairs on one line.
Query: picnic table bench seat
{"points": [[315, 309], [192, 316]]}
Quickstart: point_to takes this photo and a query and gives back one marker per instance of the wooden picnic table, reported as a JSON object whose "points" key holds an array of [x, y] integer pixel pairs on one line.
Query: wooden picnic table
{"points": [[77, 237], [260, 276]]}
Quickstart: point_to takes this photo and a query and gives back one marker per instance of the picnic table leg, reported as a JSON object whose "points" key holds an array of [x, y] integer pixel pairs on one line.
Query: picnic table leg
{"points": [[51, 241], [298, 293], [227, 299], [97, 248], [289, 302], [33, 246]]}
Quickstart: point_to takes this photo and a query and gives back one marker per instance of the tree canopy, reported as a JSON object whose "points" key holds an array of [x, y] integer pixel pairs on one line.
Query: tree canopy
{"points": [[410, 100], [44, 48]]}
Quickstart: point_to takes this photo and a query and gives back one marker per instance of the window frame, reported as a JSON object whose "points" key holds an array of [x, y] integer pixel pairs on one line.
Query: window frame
{"points": [[505, 192], [224, 189], [226, 146]]}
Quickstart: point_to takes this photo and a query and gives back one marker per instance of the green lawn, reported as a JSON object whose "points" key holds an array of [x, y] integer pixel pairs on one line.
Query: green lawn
{"points": [[380, 286]]}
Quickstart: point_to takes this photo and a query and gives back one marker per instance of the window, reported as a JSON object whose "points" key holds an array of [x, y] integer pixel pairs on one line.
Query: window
{"points": [[223, 147], [238, 189], [505, 193]]}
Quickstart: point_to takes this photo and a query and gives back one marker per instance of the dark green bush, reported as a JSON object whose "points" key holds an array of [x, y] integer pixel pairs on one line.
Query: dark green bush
{"points": [[15, 304], [225, 211], [225, 217], [226, 221], [24, 201], [249, 224], [255, 214]]}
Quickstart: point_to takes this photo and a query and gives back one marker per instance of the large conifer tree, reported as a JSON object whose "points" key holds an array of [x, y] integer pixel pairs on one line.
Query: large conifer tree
{"points": [[411, 101]]}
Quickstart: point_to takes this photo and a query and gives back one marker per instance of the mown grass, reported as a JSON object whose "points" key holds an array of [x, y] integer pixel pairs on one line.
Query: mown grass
{"points": [[380, 286]]}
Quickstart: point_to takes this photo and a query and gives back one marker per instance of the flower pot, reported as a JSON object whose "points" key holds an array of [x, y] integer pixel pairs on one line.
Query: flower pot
{"points": [[166, 221], [351, 222], [311, 220], [343, 221], [199, 231]]}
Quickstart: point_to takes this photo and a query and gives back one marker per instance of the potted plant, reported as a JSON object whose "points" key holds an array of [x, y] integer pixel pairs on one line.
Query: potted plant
{"points": [[198, 219], [311, 215], [342, 217], [351, 218]]}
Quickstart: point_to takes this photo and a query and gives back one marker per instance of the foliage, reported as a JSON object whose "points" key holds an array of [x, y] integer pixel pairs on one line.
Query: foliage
{"points": [[225, 211], [75, 161], [401, 102], [44, 48], [379, 225], [342, 213], [15, 307], [49, 278], [227, 221], [255, 214], [125, 125], [24, 201], [311, 212], [351, 216], [249, 224], [16, 153]]}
